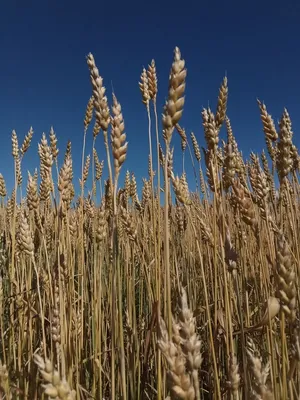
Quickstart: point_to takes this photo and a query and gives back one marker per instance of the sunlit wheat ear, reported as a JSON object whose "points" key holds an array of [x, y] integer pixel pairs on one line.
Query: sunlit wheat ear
{"points": [[18, 171], [296, 159], [55, 388], [144, 88], [202, 182], [127, 186], [258, 180], [118, 136], [284, 159], [211, 170], [286, 279], [98, 165], [233, 383], [190, 342], [32, 193], [128, 224], [53, 143], [101, 108], [210, 130], [133, 187], [161, 155], [181, 189], [55, 321], [146, 193], [268, 122], [260, 373], [180, 381], [231, 256], [2, 186], [88, 113], [26, 143], [174, 106], [64, 180], [240, 166], [183, 137], [86, 168], [24, 237], [222, 104], [182, 353], [170, 159], [243, 199], [15, 144], [181, 219], [10, 204], [68, 150], [152, 80], [269, 129], [101, 227], [196, 147], [44, 153]]}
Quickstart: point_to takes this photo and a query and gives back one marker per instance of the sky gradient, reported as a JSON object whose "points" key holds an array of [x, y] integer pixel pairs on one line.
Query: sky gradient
{"points": [[44, 78]]}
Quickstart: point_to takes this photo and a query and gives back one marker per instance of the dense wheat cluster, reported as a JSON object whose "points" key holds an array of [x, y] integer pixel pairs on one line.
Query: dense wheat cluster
{"points": [[157, 292]]}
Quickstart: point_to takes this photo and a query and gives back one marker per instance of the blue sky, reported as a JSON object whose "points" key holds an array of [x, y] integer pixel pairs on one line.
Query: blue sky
{"points": [[44, 79]]}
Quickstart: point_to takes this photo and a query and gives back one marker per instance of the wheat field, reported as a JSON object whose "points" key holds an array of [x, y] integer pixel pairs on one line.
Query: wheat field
{"points": [[128, 292]]}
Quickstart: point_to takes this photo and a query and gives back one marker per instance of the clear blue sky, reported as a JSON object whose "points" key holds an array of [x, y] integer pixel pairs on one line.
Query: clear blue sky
{"points": [[44, 79]]}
